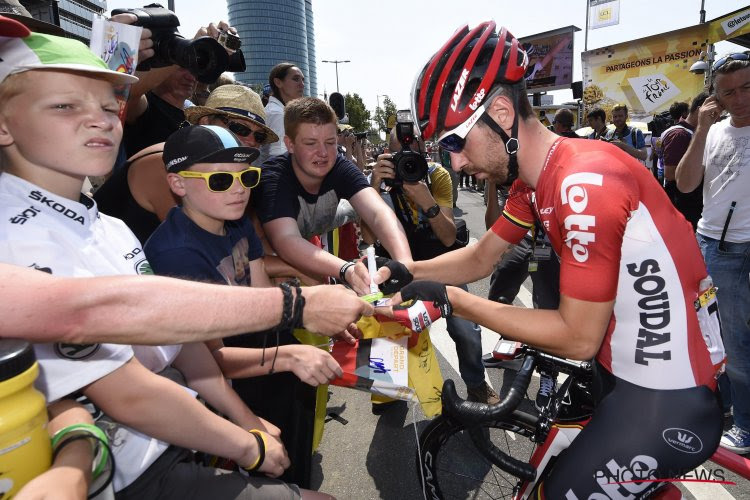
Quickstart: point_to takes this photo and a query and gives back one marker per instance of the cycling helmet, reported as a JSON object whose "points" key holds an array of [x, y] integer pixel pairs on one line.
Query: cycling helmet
{"points": [[458, 78]]}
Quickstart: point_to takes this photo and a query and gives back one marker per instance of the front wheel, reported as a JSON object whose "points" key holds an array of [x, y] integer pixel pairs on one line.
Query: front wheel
{"points": [[453, 468]]}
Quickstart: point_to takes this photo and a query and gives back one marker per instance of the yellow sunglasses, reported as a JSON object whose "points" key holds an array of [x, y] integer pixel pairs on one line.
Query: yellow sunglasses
{"points": [[218, 182]]}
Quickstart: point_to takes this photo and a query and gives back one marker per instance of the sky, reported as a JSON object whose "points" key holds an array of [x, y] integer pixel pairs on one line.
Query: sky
{"points": [[388, 41]]}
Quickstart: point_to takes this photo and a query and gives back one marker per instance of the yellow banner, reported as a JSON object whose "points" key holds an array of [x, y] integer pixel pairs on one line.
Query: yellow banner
{"points": [[647, 74], [732, 25]]}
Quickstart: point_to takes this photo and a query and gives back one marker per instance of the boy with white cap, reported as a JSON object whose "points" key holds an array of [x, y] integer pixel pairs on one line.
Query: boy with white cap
{"points": [[58, 124]]}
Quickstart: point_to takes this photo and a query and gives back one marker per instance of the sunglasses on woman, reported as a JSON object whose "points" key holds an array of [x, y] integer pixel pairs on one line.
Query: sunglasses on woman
{"points": [[219, 182], [241, 130]]}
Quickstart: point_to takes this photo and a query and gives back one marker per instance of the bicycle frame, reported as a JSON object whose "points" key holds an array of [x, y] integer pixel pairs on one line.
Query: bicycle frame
{"points": [[552, 435]]}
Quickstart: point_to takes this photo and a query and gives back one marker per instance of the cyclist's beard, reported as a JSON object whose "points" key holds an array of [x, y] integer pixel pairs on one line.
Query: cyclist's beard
{"points": [[495, 162]]}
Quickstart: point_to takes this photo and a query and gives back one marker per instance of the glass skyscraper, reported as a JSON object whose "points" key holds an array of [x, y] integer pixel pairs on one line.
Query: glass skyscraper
{"points": [[73, 16], [272, 32]]}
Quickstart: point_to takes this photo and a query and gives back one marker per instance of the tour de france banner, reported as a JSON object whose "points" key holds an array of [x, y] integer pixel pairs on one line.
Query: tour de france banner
{"points": [[651, 73], [647, 74], [731, 25]]}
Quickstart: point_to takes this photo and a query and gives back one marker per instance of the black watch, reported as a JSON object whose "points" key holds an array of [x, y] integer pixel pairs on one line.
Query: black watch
{"points": [[433, 211]]}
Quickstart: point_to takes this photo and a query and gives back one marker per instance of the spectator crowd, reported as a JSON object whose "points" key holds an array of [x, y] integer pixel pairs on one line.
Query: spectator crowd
{"points": [[253, 212]]}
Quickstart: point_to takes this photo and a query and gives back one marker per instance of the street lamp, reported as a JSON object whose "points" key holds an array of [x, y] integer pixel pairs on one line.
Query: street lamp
{"points": [[378, 96], [337, 62]]}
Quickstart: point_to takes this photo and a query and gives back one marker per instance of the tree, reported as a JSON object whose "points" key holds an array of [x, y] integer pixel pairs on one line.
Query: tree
{"points": [[382, 113], [359, 115]]}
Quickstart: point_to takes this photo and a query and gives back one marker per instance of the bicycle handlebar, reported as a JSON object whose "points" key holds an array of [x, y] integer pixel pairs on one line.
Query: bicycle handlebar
{"points": [[476, 413]]}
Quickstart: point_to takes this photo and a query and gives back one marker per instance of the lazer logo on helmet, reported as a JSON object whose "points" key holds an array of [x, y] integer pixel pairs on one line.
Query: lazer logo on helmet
{"points": [[574, 194], [459, 89], [57, 207]]}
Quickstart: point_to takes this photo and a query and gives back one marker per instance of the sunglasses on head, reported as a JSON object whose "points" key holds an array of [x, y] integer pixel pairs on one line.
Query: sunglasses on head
{"points": [[740, 56], [219, 182], [241, 130]]}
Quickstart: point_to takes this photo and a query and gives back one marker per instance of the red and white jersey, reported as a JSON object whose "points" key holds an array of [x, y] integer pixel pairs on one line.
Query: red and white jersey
{"points": [[619, 238]]}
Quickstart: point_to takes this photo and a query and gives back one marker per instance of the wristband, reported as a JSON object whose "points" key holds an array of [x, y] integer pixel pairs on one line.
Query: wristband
{"points": [[101, 453], [258, 434], [343, 270], [432, 212]]}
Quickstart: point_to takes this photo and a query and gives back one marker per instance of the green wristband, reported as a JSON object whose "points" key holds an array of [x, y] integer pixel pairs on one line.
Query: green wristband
{"points": [[100, 452]]}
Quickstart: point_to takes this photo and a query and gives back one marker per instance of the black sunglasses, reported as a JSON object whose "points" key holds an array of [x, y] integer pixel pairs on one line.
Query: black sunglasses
{"points": [[241, 130], [740, 56]]}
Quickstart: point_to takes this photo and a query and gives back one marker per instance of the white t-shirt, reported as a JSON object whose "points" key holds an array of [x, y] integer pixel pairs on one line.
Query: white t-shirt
{"points": [[50, 233], [726, 179], [274, 121]]}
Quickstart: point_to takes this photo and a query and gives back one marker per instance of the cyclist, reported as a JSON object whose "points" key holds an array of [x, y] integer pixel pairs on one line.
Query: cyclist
{"points": [[630, 271]]}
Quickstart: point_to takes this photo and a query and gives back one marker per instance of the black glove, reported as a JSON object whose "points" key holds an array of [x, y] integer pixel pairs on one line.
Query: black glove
{"points": [[400, 275], [429, 291]]}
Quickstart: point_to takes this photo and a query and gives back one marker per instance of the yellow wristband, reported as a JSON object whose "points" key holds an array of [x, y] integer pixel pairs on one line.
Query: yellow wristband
{"points": [[261, 450]]}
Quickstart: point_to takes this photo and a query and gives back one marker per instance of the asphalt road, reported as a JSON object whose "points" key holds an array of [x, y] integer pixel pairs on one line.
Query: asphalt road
{"points": [[364, 456]]}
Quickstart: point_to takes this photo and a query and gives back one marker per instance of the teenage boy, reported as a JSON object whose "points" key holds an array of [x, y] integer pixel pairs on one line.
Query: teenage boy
{"points": [[58, 124], [300, 192]]}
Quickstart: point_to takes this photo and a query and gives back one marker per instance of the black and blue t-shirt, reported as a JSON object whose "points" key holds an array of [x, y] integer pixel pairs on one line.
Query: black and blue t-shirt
{"points": [[280, 194], [180, 248]]}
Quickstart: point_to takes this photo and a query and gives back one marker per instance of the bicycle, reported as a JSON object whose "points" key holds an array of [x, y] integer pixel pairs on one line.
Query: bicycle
{"points": [[470, 450]]}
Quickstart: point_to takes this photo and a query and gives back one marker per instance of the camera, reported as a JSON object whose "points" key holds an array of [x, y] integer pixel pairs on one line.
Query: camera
{"points": [[204, 57], [660, 123], [360, 135], [410, 166], [229, 40]]}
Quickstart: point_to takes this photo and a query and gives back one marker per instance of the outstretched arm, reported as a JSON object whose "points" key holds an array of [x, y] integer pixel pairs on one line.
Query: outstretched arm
{"points": [[310, 364], [154, 310]]}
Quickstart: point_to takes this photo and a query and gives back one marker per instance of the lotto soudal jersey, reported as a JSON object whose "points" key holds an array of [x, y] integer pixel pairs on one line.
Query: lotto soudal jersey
{"points": [[42, 230], [619, 238]]}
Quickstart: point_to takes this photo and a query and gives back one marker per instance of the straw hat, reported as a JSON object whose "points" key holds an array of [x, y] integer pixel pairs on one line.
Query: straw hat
{"points": [[233, 101]]}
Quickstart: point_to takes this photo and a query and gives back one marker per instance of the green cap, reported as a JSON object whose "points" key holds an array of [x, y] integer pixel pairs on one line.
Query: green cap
{"points": [[39, 51]]}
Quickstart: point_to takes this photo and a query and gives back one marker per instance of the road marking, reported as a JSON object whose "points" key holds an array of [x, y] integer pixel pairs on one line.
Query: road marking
{"points": [[707, 491]]}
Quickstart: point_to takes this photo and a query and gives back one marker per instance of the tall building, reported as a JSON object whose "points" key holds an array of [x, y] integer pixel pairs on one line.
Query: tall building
{"points": [[73, 16], [275, 31]]}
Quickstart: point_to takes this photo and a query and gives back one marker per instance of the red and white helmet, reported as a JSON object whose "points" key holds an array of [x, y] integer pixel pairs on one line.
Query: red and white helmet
{"points": [[457, 79]]}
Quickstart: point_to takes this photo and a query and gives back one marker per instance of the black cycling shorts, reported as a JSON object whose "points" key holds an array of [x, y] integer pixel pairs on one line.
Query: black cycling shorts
{"points": [[636, 435]]}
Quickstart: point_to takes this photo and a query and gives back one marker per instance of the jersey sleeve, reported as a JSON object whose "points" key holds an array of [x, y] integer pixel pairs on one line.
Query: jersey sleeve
{"points": [[348, 179], [441, 187], [594, 205], [518, 215]]}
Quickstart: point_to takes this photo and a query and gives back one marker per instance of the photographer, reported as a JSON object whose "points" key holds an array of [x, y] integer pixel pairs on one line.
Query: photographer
{"points": [[155, 104], [350, 144], [425, 209]]}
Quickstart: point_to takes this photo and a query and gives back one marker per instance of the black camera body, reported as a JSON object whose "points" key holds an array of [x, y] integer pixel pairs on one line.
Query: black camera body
{"points": [[410, 166], [660, 123], [204, 57]]}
